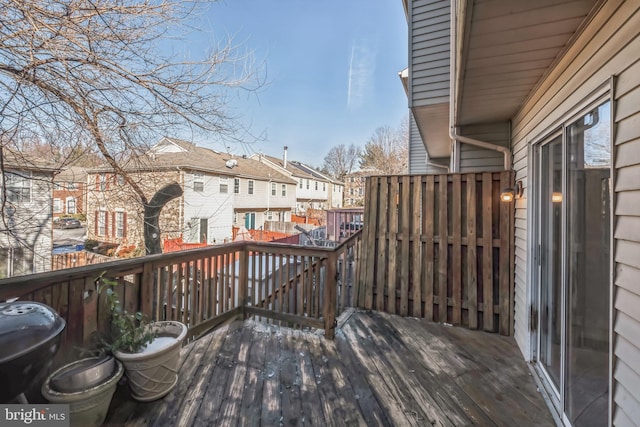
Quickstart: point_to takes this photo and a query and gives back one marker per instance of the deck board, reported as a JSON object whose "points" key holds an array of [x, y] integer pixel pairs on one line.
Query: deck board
{"points": [[381, 370]]}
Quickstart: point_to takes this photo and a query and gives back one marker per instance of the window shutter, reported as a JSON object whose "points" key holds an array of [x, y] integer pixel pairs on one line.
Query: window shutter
{"points": [[106, 223], [113, 224], [95, 223], [124, 224]]}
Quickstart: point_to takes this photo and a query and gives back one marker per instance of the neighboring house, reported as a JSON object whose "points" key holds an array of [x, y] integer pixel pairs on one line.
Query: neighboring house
{"points": [[550, 90], [313, 191], [334, 188], [354, 187], [218, 191], [26, 228], [70, 191]]}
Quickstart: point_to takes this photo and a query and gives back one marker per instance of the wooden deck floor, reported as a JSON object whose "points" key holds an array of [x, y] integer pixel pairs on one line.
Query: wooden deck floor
{"points": [[380, 370]]}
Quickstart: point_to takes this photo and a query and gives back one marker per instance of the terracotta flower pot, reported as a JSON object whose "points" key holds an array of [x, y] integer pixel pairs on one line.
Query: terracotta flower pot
{"points": [[153, 372]]}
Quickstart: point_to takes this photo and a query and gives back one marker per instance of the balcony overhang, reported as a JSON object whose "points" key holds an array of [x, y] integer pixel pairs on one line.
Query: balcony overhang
{"points": [[506, 48], [433, 125]]}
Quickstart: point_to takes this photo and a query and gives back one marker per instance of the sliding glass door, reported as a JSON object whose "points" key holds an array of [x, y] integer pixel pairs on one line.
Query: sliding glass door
{"points": [[572, 279]]}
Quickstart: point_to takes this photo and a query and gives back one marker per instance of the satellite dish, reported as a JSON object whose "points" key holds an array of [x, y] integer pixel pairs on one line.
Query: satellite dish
{"points": [[231, 163]]}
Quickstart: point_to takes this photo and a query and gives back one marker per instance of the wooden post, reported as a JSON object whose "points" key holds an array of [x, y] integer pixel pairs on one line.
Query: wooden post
{"points": [[146, 289], [243, 280], [330, 297]]}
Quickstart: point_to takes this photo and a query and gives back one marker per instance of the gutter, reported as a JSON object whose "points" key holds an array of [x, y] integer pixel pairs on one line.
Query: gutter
{"points": [[455, 138]]}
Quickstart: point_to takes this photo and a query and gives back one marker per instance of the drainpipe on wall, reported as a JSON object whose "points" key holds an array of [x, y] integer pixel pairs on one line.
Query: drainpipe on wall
{"points": [[455, 138]]}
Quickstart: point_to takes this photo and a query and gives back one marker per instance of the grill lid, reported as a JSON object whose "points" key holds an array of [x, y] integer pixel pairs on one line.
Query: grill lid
{"points": [[25, 325]]}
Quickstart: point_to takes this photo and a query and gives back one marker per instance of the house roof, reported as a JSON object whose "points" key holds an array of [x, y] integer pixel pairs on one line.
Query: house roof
{"points": [[291, 166], [172, 153], [298, 169], [21, 161], [315, 173], [72, 174]]}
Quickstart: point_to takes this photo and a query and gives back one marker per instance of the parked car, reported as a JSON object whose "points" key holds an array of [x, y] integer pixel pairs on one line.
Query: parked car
{"points": [[66, 223]]}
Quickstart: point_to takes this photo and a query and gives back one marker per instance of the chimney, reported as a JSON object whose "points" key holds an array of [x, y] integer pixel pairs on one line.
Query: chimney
{"points": [[284, 157]]}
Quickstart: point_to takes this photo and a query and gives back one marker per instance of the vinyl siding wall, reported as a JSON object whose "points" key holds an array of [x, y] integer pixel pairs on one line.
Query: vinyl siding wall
{"points": [[418, 153], [609, 46], [429, 56], [209, 204], [472, 158]]}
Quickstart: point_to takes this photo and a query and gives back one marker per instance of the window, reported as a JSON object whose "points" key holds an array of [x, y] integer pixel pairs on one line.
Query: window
{"points": [[18, 186], [101, 223], [102, 181], [307, 184], [301, 182], [120, 224], [120, 180], [57, 206], [224, 184], [250, 186], [198, 182], [284, 190], [273, 188], [324, 186], [269, 216], [58, 186], [353, 179], [15, 262], [71, 186], [71, 205], [316, 185], [236, 186]]}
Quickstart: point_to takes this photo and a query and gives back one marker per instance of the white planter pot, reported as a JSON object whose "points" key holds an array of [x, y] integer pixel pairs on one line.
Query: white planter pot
{"points": [[153, 372], [87, 408]]}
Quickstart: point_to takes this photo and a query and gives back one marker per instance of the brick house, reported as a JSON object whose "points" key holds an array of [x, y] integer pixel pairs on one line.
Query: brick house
{"points": [[70, 191]]}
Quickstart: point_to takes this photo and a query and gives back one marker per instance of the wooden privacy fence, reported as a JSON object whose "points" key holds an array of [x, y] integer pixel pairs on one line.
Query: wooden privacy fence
{"points": [[439, 247]]}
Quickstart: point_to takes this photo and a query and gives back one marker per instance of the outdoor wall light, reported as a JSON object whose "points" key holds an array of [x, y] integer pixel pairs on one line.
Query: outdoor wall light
{"points": [[556, 197], [510, 194]]}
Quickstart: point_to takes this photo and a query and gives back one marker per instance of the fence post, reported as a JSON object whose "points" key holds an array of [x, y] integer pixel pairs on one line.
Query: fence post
{"points": [[146, 290], [243, 279], [330, 297]]}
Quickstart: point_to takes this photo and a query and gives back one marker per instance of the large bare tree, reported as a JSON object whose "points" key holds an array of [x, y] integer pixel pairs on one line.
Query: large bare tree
{"points": [[109, 74], [341, 160], [387, 150]]}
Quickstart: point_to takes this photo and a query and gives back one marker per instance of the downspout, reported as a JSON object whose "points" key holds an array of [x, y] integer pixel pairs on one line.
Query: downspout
{"points": [[455, 138]]}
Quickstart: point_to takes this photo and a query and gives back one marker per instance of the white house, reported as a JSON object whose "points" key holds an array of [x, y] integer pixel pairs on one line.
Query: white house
{"points": [[26, 228], [313, 190]]}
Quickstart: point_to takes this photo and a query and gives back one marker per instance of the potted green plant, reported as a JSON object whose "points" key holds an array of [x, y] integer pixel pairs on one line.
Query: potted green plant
{"points": [[150, 352]]}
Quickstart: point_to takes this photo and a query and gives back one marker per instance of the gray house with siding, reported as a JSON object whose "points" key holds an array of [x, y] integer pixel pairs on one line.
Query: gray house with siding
{"points": [[551, 90]]}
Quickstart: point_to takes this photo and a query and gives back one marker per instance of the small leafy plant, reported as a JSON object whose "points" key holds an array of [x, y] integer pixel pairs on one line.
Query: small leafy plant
{"points": [[127, 332]]}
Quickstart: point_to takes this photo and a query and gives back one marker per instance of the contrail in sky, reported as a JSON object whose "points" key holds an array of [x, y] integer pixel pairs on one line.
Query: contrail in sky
{"points": [[361, 70]]}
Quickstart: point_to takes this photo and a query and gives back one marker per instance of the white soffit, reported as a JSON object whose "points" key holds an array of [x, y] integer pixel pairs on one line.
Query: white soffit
{"points": [[509, 46]]}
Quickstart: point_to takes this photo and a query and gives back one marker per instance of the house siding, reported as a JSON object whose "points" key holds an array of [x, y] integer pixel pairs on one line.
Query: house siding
{"points": [[608, 46], [209, 204], [31, 225], [418, 153], [429, 57], [116, 197], [475, 159]]}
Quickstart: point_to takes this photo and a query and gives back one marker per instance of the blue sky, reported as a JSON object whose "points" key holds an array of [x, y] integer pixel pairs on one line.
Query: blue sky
{"points": [[331, 66]]}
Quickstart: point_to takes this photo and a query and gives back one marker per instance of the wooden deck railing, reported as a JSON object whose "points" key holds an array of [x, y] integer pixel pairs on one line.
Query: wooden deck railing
{"points": [[299, 285]]}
